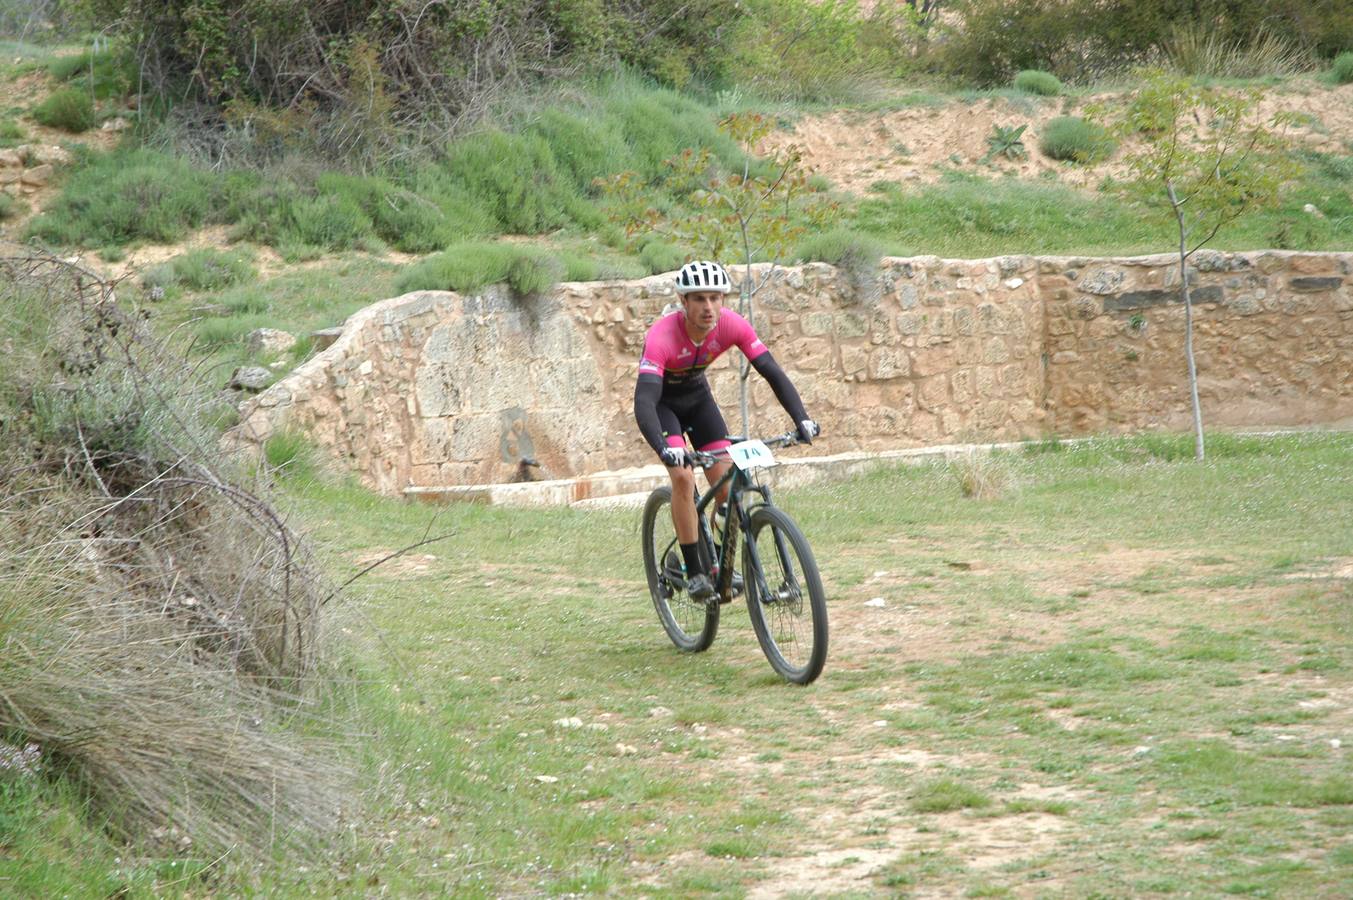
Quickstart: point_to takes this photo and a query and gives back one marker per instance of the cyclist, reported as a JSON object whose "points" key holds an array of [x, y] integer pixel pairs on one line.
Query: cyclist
{"points": [[672, 397]]}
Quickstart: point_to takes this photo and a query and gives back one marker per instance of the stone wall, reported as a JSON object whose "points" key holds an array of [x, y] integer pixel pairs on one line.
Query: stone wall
{"points": [[436, 388]]}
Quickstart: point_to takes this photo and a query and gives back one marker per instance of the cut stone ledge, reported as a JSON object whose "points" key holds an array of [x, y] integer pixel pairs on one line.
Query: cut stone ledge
{"points": [[629, 488]]}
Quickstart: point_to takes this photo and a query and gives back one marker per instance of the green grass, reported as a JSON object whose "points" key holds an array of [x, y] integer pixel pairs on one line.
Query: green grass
{"points": [[1156, 738], [967, 216]]}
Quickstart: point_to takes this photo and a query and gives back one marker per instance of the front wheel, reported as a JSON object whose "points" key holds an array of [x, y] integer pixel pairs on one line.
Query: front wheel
{"points": [[690, 624], [785, 599]]}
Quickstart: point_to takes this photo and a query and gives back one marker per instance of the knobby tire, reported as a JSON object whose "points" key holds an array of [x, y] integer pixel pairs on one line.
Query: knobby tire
{"points": [[785, 599], [691, 625]]}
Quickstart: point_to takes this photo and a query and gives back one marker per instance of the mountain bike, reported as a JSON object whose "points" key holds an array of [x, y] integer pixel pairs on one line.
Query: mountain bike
{"points": [[783, 589]]}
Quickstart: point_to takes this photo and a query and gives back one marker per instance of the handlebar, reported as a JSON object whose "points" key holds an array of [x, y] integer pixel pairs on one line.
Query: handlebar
{"points": [[705, 459]]}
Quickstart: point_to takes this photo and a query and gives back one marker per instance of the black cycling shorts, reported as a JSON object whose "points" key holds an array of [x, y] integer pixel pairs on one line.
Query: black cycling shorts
{"points": [[699, 418]]}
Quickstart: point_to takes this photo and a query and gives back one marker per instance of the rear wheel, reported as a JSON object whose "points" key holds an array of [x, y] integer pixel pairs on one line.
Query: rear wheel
{"points": [[785, 599], [690, 624]]}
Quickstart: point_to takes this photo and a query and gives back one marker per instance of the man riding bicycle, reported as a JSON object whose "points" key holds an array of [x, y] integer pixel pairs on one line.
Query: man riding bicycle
{"points": [[672, 397]]}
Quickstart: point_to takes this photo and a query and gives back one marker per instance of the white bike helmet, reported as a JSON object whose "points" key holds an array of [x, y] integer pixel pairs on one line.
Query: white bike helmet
{"points": [[702, 276]]}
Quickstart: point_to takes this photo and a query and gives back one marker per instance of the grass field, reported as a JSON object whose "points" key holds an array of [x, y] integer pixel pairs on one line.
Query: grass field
{"points": [[1129, 674]]}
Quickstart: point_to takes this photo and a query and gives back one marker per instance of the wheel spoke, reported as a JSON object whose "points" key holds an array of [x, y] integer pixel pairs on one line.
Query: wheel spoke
{"points": [[788, 609]]}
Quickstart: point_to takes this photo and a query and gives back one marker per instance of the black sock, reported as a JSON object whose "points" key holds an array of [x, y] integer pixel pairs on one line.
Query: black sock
{"points": [[691, 554]]}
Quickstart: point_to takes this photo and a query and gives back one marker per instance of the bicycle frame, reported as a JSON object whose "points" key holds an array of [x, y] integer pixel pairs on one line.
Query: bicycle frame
{"points": [[739, 482]]}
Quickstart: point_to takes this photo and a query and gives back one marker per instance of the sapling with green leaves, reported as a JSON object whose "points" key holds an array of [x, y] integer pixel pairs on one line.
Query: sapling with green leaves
{"points": [[1205, 157], [757, 212]]}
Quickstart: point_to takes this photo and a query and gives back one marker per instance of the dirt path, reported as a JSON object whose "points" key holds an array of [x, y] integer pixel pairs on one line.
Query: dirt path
{"points": [[852, 793]]}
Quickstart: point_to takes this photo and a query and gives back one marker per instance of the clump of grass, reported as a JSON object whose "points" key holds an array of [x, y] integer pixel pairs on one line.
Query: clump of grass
{"points": [[947, 795], [1036, 81], [69, 109], [1341, 70], [154, 661], [291, 454], [470, 266], [854, 253], [11, 131], [9, 206], [1201, 51], [981, 475], [102, 73], [1074, 139], [660, 256], [202, 270], [215, 333]]}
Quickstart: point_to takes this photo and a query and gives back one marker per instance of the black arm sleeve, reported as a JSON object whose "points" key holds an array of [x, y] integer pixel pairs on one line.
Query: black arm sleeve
{"points": [[646, 393], [770, 370]]}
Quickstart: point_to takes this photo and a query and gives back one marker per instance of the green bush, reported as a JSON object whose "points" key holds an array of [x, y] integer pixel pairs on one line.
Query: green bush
{"points": [[202, 270], [855, 254], [11, 131], [115, 198], [1035, 81], [69, 109], [515, 179], [1073, 138], [1342, 68], [660, 256], [103, 73], [9, 207], [331, 221], [588, 266], [1088, 39], [804, 50], [467, 267], [844, 248], [533, 272]]}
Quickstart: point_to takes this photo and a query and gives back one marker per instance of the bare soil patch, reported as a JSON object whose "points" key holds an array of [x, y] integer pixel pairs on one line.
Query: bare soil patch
{"points": [[919, 144]]}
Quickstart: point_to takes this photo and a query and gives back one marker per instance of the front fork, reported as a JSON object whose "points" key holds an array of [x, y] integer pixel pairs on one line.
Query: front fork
{"points": [[790, 589]]}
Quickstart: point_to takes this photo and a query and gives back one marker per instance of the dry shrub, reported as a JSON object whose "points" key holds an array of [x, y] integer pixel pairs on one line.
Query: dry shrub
{"points": [[981, 474], [158, 618]]}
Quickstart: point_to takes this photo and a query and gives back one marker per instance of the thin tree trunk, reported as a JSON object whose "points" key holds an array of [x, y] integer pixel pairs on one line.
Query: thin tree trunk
{"points": [[1188, 323], [745, 301]]}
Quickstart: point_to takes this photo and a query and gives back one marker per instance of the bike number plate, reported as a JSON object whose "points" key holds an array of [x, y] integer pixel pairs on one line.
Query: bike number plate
{"points": [[751, 455]]}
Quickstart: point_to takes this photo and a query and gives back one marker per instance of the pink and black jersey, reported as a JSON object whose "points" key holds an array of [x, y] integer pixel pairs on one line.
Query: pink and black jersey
{"points": [[672, 398], [670, 354]]}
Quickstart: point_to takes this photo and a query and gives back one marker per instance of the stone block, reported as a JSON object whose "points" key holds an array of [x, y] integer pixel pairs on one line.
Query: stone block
{"points": [[816, 323], [854, 360], [269, 340], [984, 378], [961, 386], [851, 325], [995, 350], [1102, 281], [38, 176], [963, 321], [889, 362], [933, 392], [1312, 284], [1147, 299], [910, 323]]}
